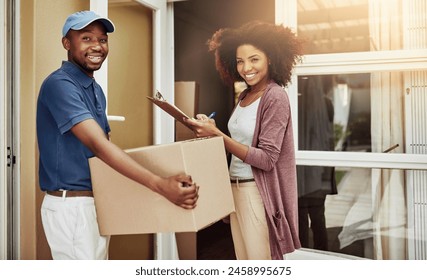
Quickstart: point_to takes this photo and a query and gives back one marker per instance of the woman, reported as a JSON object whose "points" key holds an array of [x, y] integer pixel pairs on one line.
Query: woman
{"points": [[262, 169]]}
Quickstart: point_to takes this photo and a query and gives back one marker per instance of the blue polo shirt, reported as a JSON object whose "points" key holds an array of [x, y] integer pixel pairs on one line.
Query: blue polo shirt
{"points": [[67, 97]]}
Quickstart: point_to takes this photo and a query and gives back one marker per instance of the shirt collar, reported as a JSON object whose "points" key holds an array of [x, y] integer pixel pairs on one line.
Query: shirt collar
{"points": [[77, 73]]}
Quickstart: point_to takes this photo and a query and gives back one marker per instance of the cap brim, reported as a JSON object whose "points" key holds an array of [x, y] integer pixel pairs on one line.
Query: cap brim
{"points": [[109, 26]]}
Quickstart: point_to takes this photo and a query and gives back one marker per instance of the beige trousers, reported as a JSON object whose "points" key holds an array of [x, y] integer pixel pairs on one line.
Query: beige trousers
{"points": [[248, 224]]}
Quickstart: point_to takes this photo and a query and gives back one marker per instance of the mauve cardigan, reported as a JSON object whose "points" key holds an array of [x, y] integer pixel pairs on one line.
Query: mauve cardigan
{"points": [[272, 157]]}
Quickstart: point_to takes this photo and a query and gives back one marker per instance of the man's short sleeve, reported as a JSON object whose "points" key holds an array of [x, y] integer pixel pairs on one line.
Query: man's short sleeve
{"points": [[64, 99]]}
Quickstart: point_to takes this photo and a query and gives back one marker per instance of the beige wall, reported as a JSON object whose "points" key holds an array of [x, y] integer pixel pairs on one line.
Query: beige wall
{"points": [[130, 79], [28, 144]]}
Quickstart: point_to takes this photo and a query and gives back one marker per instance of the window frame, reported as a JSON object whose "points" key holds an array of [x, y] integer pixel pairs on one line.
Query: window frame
{"points": [[358, 62]]}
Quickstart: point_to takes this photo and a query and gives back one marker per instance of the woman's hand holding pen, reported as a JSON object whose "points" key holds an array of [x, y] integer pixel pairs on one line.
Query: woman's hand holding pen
{"points": [[204, 126]]}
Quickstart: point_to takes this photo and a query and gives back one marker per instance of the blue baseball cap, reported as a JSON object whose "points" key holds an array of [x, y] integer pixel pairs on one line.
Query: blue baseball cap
{"points": [[80, 20]]}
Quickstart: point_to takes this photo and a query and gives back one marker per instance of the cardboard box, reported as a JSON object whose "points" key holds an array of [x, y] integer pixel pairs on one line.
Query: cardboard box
{"points": [[187, 99], [126, 207]]}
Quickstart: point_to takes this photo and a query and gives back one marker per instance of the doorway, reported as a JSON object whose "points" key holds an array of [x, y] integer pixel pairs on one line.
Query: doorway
{"points": [[194, 23]]}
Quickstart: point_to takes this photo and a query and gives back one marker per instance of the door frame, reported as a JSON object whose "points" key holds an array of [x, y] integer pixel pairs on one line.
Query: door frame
{"points": [[9, 137], [165, 247], [3, 145]]}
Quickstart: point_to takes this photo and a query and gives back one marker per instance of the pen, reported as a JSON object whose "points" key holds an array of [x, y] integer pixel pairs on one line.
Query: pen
{"points": [[212, 115]]}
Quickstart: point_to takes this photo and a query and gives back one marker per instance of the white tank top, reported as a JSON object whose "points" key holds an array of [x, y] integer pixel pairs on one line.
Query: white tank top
{"points": [[241, 126]]}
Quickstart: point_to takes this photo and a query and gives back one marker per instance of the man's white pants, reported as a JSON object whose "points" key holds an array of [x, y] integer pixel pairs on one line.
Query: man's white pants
{"points": [[71, 228]]}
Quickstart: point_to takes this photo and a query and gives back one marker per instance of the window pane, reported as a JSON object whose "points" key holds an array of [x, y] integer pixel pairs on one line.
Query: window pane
{"points": [[363, 212], [334, 113], [330, 28], [367, 112], [361, 25]]}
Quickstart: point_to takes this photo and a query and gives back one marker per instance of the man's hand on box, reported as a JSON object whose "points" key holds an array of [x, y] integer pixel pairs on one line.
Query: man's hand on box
{"points": [[180, 190]]}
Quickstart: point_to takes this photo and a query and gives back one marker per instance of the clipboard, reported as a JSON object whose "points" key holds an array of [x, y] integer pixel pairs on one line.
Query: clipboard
{"points": [[171, 109]]}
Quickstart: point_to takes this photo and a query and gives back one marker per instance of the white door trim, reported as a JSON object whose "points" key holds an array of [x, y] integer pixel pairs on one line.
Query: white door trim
{"points": [[3, 141], [10, 134]]}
